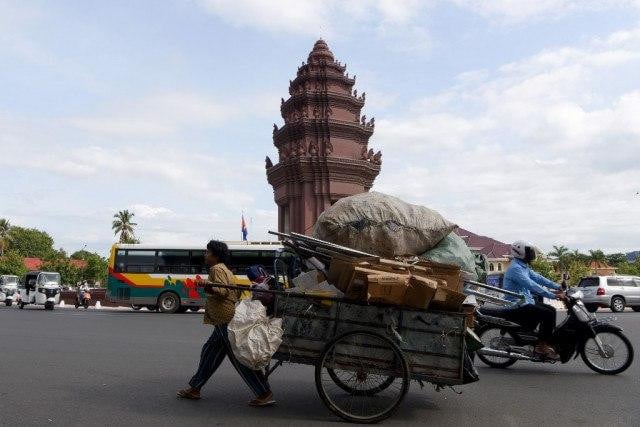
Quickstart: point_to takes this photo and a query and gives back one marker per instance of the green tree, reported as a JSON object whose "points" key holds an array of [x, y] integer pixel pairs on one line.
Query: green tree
{"points": [[560, 252], [5, 227], [124, 225], [12, 263], [70, 274], [631, 268], [96, 270], [578, 270], [544, 268], [597, 255], [30, 242], [616, 259]]}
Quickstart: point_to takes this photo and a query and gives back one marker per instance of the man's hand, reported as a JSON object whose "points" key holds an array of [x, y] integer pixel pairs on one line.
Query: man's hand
{"points": [[560, 295]]}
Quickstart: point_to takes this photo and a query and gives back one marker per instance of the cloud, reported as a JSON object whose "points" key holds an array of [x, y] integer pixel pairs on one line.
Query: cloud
{"points": [[516, 11], [545, 148], [158, 115], [146, 211], [399, 23]]}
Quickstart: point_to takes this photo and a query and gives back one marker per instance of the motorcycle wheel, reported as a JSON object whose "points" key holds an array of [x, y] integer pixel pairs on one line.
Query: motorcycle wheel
{"points": [[619, 353], [490, 337]]}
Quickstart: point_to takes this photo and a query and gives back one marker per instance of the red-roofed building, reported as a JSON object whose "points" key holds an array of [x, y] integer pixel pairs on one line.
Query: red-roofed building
{"points": [[36, 263], [32, 263], [496, 252]]}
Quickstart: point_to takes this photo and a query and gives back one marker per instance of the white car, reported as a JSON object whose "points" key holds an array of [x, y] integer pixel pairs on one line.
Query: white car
{"points": [[615, 292]]}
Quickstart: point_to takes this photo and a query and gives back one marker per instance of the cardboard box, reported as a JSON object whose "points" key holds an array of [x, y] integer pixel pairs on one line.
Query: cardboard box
{"points": [[341, 273], [447, 299], [387, 288], [420, 292], [447, 272], [357, 290]]}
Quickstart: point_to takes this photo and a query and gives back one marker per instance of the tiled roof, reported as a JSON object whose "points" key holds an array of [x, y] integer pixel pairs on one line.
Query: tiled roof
{"points": [[32, 263], [487, 246], [36, 263]]}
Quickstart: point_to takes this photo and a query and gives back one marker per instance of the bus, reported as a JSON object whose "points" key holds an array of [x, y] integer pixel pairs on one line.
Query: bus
{"points": [[163, 277]]}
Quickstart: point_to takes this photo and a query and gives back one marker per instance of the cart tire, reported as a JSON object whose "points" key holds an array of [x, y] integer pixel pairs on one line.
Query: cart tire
{"points": [[368, 392], [359, 351]]}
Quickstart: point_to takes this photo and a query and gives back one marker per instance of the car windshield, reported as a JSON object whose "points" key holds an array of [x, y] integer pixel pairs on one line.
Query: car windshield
{"points": [[10, 280], [45, 278]]}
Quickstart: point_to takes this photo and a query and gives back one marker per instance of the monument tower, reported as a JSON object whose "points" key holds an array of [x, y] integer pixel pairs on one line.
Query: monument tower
{"points": [[323, 152]]}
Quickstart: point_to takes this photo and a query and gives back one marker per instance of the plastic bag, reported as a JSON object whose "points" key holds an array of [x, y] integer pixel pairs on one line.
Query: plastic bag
{"points": [[453, 250], [382, 225], [254, 337]]}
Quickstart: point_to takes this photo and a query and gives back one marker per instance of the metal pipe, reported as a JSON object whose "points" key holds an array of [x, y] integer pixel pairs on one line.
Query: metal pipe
{"points": [[501, 353]]}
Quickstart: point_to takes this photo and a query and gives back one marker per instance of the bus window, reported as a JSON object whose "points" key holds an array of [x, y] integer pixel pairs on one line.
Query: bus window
{"points": [[120, 261], [197, 263], [241, 260], [175, 261], [141, 261]]}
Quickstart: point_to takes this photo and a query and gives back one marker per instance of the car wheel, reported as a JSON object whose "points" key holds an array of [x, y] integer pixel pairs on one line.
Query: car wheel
{"points": [[617, 304], [591, 308], [636, 308]]}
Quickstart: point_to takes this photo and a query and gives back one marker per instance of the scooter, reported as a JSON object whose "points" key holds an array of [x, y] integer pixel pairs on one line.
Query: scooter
{"points": [[41, 288], [83, 300], [603, 347]]}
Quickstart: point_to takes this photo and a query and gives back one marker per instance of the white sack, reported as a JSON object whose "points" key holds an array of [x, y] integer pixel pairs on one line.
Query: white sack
{"points": [[254, 337], [383, 225]]}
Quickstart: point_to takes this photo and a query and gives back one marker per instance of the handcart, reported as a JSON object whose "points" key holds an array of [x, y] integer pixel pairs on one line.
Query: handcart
{"points": [[365, 355]]}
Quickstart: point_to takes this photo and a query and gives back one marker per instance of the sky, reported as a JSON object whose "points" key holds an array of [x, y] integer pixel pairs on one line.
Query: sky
{"points": [[513, 119]]}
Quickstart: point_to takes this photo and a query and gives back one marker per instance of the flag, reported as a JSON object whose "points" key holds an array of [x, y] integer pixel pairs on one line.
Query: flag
{"points": [[243, 229]]}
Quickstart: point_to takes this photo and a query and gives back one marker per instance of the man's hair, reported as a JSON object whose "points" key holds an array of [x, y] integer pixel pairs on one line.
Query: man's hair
{"points": [[219, 249]]}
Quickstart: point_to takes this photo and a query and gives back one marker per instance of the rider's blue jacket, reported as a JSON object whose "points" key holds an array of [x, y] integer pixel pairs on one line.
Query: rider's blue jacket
{"points": [[520, 278]]}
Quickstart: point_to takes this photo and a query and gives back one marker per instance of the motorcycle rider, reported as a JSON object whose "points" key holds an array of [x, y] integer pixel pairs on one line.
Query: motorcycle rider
{"points": [[520, 278]]}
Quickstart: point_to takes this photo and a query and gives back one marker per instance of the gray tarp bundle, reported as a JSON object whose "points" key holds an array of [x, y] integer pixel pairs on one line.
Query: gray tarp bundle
{"points": [[384, 225], [381, 224]]}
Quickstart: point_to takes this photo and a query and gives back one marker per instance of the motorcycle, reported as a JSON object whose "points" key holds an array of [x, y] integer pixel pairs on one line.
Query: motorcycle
{"points": [[83, 299], [603, 347]]}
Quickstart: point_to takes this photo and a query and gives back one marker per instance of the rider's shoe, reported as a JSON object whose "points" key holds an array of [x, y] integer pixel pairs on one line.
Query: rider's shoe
{"points": [[547, 351]]}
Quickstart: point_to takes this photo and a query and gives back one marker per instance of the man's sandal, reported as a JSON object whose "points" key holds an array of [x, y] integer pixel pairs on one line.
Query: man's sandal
{"points": [[188, 394]]}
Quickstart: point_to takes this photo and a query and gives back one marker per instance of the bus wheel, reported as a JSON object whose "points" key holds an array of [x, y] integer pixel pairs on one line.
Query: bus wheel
{"points": [[169, 302], [194, 309], [152, 307]]}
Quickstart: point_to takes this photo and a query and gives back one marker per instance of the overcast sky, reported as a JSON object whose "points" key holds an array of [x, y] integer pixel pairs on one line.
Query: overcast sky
{"points": [[514, 119]]}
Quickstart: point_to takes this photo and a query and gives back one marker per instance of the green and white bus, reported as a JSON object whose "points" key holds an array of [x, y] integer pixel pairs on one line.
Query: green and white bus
{"points": [[163, 277]]}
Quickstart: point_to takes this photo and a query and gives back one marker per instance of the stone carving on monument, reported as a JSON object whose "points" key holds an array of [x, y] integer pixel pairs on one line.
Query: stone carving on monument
{"points": [[323, 145]]}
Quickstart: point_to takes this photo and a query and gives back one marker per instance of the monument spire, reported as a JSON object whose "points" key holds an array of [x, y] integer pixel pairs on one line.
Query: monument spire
{"points": [[323, 152]]}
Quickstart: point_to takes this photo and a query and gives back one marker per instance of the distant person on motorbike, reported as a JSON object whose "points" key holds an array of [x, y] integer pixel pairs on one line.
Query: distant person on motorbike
{"points": [[520, 278]]}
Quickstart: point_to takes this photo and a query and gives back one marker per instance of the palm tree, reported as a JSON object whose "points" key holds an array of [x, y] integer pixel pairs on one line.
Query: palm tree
{"points": [[560, 252], [122, 224], [5, 226]]}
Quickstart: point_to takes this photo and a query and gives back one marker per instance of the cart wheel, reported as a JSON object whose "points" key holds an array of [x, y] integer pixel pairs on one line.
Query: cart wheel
{"points": [[372, 376], [375, 388]]}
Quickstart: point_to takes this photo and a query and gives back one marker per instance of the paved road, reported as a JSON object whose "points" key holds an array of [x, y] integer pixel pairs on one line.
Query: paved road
{"points": [[70, 367]]}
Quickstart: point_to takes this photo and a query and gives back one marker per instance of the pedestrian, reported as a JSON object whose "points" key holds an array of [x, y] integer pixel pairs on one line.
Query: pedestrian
{"points": [[218, 312]]}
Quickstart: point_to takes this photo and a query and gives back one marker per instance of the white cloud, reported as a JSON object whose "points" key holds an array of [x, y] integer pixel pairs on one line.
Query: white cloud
{"points": [[157, 115], [516, 11], [546, 148], [145, 211], [399, 23]]}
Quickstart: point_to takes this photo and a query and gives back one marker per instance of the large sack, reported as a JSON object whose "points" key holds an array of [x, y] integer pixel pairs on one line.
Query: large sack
{"points": [[453, 250], [382, 225], [254, 337]]}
